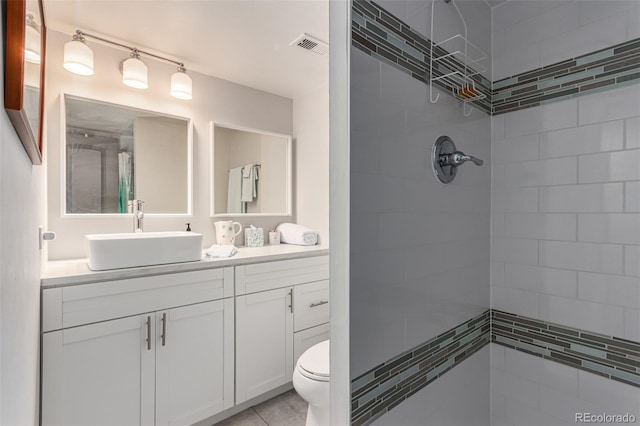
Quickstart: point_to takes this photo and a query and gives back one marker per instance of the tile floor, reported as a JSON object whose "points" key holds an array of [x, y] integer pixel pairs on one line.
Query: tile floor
{"points": [[287, 409]]}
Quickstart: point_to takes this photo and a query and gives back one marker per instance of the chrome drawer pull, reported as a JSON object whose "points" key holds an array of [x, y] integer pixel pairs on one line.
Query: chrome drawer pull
{"points": [[322, 302], [149, 333], [164, 328]]}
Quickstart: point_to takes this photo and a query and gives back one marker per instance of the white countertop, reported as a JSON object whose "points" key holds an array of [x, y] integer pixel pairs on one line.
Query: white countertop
{"points": [[76, 271]]}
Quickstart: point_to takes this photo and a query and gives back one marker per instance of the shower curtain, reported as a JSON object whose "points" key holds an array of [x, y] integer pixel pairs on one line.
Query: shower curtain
{"points": [[124, 180]]}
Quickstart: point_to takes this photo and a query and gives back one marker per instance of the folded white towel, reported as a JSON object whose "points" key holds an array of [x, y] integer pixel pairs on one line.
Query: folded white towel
{"points": [[218, 250], [290, 233]]}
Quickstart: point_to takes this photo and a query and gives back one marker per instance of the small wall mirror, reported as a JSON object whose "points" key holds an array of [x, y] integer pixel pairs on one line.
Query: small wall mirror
{"points": [[24, 72], [250, 171], [114, 154]]}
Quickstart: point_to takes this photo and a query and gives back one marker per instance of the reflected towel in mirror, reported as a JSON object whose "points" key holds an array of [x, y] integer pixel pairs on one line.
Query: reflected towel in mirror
{"points": [[249, 183], [234, 195]]}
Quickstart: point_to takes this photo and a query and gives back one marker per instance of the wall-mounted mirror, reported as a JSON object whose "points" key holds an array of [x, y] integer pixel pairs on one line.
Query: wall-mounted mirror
{"points": [[24, 72], [115, 153], [250, 171]]}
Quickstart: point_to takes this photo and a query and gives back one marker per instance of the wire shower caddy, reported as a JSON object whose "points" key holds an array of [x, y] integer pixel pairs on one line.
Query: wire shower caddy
{"points": [[455, 60]]}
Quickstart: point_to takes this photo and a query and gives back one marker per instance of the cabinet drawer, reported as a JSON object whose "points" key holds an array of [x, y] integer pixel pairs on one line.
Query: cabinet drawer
{"points": [[310, 305], [303, 340], [84, 304], [284, 273]]}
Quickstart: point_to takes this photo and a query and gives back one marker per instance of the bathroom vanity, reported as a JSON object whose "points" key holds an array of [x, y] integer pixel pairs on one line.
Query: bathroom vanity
{"points": [[179, 343]]}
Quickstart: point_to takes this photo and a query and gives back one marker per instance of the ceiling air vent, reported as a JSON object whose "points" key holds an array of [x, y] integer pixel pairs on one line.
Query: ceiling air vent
{"points": [[311, 44]]}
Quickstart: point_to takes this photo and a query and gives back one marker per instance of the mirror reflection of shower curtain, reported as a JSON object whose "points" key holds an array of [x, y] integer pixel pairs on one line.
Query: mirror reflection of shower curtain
{"points": [[86, 189], [124, 180]]}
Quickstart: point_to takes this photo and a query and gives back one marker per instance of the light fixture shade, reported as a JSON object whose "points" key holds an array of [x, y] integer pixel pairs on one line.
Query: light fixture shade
{"points": [[181, 85], [32, 41], [134, 73], [78, 58]]}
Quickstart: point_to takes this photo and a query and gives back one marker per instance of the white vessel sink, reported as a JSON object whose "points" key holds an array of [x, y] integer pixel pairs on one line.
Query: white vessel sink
{"points": [[115, 251]]}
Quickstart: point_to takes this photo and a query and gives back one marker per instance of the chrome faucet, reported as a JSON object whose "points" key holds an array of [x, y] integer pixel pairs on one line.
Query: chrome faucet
{"points": [[457, 158], [137, 208]]}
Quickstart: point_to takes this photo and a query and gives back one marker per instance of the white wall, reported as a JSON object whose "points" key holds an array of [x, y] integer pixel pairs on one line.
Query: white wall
{"points": [[22, 200], [161, 163], [213, 99], [311, 164], [565, 210], [273, 174]]}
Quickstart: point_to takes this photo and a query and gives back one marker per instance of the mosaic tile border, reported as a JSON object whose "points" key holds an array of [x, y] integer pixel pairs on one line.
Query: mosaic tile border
{"points": [[387, 385], [382, 388], [610, 357], [604, 69], [388, 39]]}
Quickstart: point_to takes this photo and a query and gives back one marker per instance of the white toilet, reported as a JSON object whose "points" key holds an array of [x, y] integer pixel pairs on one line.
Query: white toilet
{"points": [[311, 381]]}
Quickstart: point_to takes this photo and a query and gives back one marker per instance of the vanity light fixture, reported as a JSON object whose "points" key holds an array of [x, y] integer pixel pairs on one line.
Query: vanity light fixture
{"points": [[134, 72], [181, 84], [78, 59], [32, 40]]}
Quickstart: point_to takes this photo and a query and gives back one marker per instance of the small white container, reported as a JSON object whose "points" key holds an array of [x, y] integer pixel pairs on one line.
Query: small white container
{"points": [[253, 237], [274, 237]]}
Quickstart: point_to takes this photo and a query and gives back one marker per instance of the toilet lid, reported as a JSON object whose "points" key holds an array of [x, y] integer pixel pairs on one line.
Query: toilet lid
{"points": [[314, 362]]}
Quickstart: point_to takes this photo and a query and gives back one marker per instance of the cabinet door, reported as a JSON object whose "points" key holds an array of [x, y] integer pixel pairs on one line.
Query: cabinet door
{"points": [[99, 374], [303, 340], [264, 342], [194, 362]]}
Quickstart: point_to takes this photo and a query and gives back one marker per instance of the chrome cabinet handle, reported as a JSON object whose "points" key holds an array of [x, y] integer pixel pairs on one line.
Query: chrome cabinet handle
{"points": [[320, 303], [164, 328], [148, 333], [291, 296]]}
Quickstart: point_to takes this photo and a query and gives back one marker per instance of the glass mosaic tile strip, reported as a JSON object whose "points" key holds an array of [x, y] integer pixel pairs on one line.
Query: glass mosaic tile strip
{"points": [[381, 35], [611, 357], [387, 385], [380, 389], [605, 69]]}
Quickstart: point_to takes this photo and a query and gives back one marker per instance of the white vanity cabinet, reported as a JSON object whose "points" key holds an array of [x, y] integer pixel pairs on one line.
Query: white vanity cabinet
{"points": [[264, 342], [169, 345], [99, 374], [194, 362], [275, 302], [170, 360]]}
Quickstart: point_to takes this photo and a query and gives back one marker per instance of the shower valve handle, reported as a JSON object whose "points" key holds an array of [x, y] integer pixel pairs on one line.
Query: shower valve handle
{"points": [[457, 158]]}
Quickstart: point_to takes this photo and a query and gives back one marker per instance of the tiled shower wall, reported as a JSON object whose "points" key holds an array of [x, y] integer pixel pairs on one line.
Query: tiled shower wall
{"points": [[419, 249], [404, 279], [565, 210]]}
